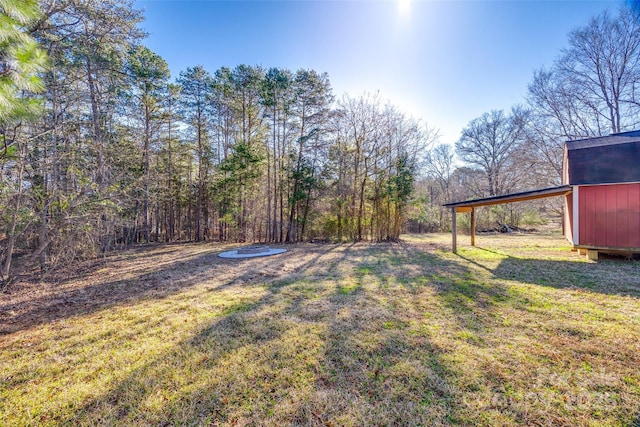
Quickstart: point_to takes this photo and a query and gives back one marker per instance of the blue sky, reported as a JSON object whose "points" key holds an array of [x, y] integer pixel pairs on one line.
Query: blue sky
{"points": [[445, 62]]}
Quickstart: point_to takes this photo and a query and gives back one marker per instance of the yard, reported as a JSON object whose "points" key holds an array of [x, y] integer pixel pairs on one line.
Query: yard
{"points": [[517, 331]]}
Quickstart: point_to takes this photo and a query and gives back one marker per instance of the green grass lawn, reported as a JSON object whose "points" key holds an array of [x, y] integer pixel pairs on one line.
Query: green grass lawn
{"points": [[516, 331]]}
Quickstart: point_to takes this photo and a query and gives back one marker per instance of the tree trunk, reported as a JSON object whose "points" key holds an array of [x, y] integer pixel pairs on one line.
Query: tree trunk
{"points": [[97, 134], [172, 219], [145, 154], [5, 270]]}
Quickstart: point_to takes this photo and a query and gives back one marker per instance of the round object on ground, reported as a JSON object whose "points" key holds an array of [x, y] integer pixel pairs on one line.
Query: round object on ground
{"points": [[251, 252]]}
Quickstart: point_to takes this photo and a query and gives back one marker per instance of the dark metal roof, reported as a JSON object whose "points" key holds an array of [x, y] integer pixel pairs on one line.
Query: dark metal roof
{"points": [[613, 139], [514, 197], [604, 160]]}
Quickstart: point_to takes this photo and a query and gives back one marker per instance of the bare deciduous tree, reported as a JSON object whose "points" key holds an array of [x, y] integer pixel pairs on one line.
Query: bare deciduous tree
{"points": [[489, 141], [592, 89]]}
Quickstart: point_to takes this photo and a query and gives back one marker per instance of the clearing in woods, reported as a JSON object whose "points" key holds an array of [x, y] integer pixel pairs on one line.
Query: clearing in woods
{"points": [[517, 331]]}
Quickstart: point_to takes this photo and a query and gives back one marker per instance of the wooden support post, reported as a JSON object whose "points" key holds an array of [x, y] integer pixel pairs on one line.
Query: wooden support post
{"points": [[454, 231], [592, 255], [473, 226]]}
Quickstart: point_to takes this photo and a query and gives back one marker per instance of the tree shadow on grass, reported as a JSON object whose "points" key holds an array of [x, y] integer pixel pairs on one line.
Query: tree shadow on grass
{"points": [[314, 348], [64, 274], [220, 373], [185, 385], [606, 277], [374, 372], [155, 279], [476, 304], [379, 366], [466, 295], [565, 334], [308, 352]]}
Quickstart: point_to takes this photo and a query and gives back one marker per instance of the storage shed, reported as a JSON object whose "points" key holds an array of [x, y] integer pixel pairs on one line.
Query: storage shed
{"points": [[603, 211], [601, 188]]}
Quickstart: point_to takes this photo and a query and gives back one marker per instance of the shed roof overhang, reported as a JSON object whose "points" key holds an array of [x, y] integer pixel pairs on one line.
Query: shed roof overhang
{"points": [[470, 205], [467, 205]]}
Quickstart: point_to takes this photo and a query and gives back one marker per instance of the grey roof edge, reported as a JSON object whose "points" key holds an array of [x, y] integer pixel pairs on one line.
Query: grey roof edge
{"points": [[513, 197], [599, 141]]}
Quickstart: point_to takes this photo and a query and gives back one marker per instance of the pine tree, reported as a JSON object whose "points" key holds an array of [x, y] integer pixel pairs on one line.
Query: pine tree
{"points": [[196, 84], [21, 59], [149, 75]]}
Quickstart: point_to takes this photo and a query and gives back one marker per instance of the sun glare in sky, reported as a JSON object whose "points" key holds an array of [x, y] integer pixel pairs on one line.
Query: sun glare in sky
{"points": [[404, 7], [444, 61]]}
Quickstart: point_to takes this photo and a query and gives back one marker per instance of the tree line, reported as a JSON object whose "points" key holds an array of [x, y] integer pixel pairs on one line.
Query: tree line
{"points": [[101, 149]]}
